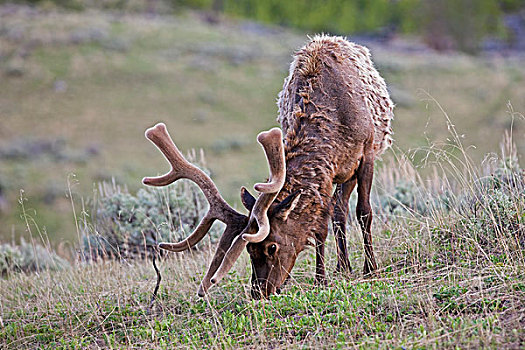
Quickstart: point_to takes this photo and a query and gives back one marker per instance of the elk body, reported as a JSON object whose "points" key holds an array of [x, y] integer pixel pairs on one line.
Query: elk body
{"points": [[335, 115]]}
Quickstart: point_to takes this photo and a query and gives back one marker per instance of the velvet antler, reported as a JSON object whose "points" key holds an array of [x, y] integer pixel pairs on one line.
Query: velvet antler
{"points": [[272, 143], [237, 225], [218, 208]]}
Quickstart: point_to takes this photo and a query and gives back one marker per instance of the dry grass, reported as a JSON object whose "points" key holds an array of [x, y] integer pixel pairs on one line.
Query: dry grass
{"points": [[444, 282], [106, 305]]}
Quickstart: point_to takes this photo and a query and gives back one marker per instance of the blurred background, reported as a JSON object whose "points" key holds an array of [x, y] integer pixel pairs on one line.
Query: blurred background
{"points": [[80, 81]]}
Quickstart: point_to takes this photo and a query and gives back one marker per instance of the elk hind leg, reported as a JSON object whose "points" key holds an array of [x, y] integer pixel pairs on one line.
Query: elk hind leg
{"points": [[364, 211]]}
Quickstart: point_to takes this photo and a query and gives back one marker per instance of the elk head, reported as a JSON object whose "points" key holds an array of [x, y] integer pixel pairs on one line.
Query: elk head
{"points": [[240, 229], [274, 257]]}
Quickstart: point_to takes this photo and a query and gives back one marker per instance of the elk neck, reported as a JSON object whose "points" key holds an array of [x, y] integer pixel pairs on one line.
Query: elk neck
{"points": [[309, 168]]}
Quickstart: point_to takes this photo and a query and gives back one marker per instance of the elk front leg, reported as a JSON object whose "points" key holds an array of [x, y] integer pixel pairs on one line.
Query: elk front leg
{"points": [[341, 197], [320, 277], [365, 174]]}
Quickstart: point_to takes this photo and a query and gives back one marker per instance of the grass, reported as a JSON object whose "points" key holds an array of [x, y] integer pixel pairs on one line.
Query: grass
{"points": [[451, 276], [106, 305]]}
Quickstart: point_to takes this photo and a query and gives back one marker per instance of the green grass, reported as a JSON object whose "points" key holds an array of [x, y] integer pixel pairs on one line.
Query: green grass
{"points": [[107, 305]]}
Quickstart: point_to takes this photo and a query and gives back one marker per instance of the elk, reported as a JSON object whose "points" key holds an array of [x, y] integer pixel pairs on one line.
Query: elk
{"points": [[335, 113]]}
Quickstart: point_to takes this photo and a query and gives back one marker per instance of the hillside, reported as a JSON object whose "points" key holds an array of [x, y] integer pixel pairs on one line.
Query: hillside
{"points": [[79, 88]]}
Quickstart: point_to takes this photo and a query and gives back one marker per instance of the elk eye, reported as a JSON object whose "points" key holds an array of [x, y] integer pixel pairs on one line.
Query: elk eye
{"points": [[271, 249]]}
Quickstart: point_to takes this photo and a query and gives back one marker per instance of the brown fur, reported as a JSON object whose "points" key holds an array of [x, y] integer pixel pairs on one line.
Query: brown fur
{"points": [[335, 113]]}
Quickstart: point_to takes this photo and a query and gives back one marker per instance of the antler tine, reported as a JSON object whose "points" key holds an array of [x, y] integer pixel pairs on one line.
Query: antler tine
{"points": [[195, 237], [273, 147], [181, 168], [229, 259], [230, 233]]}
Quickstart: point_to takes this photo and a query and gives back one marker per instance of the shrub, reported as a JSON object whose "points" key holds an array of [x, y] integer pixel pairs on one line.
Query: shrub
{"points": [[468, 215], [491, 219], [28, 257], [404, 193], [406, 196], [127, 226]]}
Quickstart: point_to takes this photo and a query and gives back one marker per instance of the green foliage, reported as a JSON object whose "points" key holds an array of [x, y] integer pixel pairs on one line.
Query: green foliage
{"points": [[28, 257], [405, 15], [446, 24], [330, 16], [511, 5], [198, 4]]}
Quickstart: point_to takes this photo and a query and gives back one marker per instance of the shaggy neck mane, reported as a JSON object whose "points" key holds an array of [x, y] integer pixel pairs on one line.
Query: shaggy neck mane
{"points": [[331, 83], [309, 167]]}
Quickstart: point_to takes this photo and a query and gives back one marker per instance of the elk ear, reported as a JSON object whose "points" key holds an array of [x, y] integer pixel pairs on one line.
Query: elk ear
{"points": [[247, 199], [285, 207]]}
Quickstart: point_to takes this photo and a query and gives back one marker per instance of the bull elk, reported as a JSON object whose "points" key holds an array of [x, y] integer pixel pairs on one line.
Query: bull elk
{"points": [[335, 115]]}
